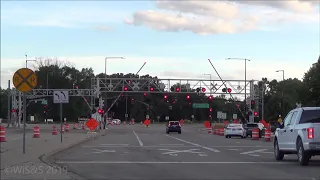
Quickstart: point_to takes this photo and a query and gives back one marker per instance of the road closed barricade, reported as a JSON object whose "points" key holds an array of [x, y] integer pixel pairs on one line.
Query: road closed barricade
{"points": [[255, 134], [2, 134], [267, 135]]}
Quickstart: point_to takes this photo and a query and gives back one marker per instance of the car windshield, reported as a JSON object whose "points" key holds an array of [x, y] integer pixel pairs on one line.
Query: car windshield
{"points": [[310, 116], [252, 125]]}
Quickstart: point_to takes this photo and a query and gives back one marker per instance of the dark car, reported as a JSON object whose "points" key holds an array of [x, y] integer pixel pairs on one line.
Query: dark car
{"points": [[173, 126], [251, 126]]}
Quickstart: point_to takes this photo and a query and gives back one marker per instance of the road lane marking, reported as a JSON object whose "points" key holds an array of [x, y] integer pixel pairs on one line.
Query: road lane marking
{"points": [[114, 144], [171, 144], [244, 146], [233, 149], [171, 151], [140, 142], [168, 162], [99, 151], [251, 153], [137, 146], [198, 145]]}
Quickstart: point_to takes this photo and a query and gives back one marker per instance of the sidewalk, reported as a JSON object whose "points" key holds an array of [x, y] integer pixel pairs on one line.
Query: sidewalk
{"points": [[16, 165]]}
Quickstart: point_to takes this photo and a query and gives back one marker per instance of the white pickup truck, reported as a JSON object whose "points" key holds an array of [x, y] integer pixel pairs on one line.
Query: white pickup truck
{"points": [[300, 135]]}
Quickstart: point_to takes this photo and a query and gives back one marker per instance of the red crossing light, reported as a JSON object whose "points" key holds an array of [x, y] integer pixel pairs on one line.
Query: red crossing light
{"points": [[177, 89], [255, 113], [145, 94], [13, 110], [229, 90], [188, 96], [44, 106], [210, 109], [125, 88], [165, 97], [210, 97], [151, 89], [203, 89]]}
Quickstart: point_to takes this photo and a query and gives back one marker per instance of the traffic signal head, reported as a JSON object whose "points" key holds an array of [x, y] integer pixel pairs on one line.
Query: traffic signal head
{"points": [[255, 113], [100, 111], [145, 94], [252, 104], [77, 87], [165, 96], [210, 109], [44, 106], [210, 97], [151, 89], [177, 89], [13, 110], [229, 90], [203, 90], [188, 97], [125, 88]]}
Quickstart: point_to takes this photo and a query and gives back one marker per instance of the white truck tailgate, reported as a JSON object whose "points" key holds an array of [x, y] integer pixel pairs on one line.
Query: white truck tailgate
{"points": [[316, 127]]}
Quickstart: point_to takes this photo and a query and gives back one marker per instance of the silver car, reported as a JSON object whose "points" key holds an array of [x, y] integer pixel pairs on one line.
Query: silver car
{"points": [[235, 130]]}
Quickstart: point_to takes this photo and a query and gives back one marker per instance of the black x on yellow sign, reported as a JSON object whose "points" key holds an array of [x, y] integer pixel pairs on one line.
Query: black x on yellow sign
{"points": [[24, 80]]}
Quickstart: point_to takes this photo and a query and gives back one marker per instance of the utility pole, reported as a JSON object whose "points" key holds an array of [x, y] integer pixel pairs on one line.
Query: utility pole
{"points": [[282, 95]]}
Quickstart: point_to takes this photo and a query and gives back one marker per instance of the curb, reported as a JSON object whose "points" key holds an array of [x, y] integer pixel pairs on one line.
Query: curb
{"points": [[49, 158]]}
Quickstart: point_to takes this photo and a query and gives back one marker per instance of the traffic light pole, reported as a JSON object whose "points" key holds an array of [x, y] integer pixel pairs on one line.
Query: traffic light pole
{"points": [[227, 88], [126, 117]]}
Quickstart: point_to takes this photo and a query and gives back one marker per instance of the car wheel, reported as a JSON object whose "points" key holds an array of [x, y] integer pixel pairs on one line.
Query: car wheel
{"points": [[279, 155], [303, 156], [227, 137], [179, 132]]}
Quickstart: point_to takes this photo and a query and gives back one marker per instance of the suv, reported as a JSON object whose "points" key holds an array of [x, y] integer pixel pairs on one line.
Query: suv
{"points": [[173, 126], [300, 134], [248, 127]]}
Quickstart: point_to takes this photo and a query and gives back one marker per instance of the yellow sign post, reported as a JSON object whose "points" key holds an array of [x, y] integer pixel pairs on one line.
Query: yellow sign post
{"points": [[24, 80]]}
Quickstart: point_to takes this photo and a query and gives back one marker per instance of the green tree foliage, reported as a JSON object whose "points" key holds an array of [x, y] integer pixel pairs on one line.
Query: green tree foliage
{"points": [[279, 97]]}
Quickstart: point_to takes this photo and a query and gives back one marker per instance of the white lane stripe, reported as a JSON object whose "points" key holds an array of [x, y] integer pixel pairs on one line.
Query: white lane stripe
{"points": [[114, 144], [171, 144], [165, 162], [137, 146], [198, 145], [243, 146], [255, 151], [140, 142]]}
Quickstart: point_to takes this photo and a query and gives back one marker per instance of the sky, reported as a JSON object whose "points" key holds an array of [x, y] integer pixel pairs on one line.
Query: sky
{"points": [[174, 38]]}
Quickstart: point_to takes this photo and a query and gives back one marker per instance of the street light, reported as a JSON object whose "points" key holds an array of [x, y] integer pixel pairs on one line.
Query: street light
{"points": [[245, 75], [210, 82], [282, 73], [28, 60], [282, 91]]}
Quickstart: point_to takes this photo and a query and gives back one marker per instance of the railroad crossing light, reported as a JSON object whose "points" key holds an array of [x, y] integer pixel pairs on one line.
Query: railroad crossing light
{"points": [[203, 90], [224, 90], [13, 110], [129, 81], [132, 100], [145, 94], [151, 89], [177, 89], [238, 105], [173, 102], [255, 114], [198, 89], [77, 87], [125, 88], [172, 89], [100, 111], [210, 98], [44, 106], [188, 97], [229, 90], [252, 104], [165, 97], [210, 109]]}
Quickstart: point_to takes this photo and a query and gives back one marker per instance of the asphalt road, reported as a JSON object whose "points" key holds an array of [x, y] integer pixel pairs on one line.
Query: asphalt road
{"points": [[136, 152]]}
